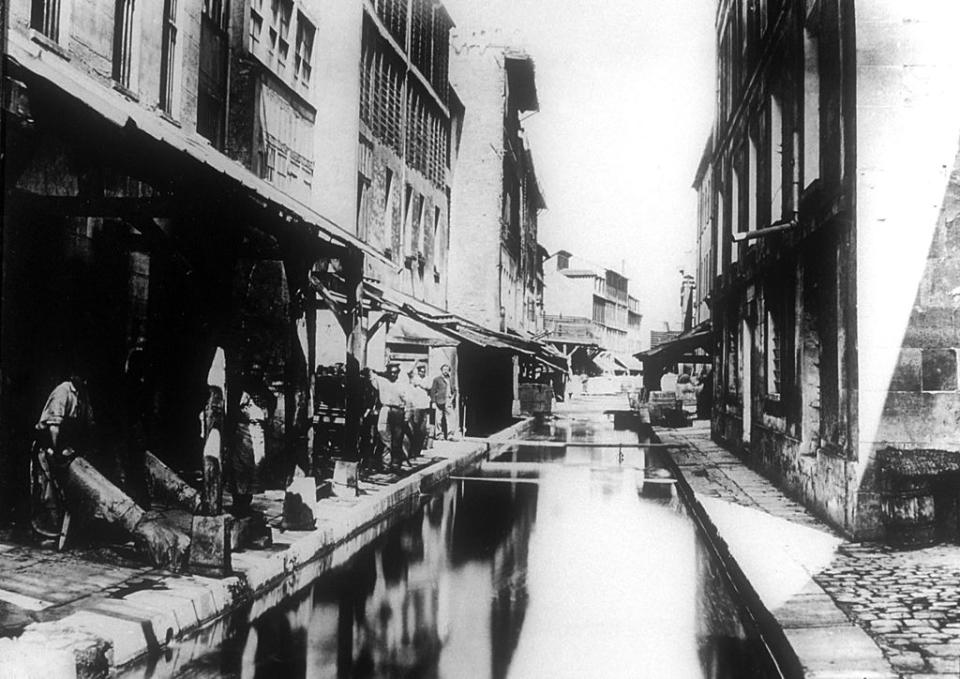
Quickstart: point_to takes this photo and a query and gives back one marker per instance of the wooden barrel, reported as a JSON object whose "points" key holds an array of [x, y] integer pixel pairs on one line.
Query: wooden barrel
{"points": [[907, 510]]}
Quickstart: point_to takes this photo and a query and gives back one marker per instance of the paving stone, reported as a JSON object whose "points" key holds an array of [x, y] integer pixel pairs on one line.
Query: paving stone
{"points": [[907, 662]]}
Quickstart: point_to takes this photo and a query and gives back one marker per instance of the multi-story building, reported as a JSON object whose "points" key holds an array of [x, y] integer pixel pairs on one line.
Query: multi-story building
{"points": [[575, 289], [497, 197], [174, 170], [408, 114], [827, 196]]}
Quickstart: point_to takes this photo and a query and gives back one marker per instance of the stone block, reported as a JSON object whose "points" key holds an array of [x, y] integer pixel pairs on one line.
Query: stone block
{"points": [[906, 374], [250, 532], [210, 545], [939, 369], [300, 505], [345, 479]]}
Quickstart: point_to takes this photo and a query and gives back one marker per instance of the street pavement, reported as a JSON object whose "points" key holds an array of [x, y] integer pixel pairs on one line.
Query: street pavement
{"points": [[819, 585]]}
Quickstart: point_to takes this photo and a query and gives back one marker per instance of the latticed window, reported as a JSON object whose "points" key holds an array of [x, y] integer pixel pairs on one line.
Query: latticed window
{"points": [[393, 14], [45, 18], [774, 355]]}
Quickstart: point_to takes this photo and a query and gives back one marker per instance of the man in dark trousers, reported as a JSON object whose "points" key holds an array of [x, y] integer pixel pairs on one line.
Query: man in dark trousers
{"points": [[394, 400], [443, 396], [63, 431]]}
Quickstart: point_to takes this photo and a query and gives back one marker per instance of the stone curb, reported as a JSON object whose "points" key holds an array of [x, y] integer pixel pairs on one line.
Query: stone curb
{"points": [[820, 641], [105, 634]]}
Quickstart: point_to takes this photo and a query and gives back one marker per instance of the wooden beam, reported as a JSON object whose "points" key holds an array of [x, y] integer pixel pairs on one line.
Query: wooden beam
{"points": [[388, 317]]}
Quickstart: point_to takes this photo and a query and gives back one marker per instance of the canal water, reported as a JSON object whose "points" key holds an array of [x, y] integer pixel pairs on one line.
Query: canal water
{"points": [[549, 561]]}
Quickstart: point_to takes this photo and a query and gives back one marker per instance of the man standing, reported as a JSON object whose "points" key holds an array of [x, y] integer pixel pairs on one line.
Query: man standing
{"points": [[418, 408], [63, 431], [444, 397], [256, 402], [370, 403], [393, 400]]}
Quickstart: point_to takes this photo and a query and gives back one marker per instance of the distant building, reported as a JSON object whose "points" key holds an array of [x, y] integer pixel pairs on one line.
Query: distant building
{"points": [[577, 291], [828, 200]]}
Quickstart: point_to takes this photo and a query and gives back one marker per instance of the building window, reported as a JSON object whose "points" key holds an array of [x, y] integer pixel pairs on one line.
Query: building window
{"points": [[721, 230], [363, 205], [123, 45], [774, 355], [776, 158], [599, 311], [436, 234], [407, 233], [302, 65], [256, 23], [168, 59], [419, 223], [278, 34], [734, 213], [45, 18], [388, 220], [753, 186], [212, 81], [811, 106]]}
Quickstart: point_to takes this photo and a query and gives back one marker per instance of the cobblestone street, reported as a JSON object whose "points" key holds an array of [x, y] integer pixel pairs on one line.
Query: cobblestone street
{"points": [[908, 602]]}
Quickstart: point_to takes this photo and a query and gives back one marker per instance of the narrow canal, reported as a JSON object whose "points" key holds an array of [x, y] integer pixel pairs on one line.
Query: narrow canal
{"points": [[548, 561]]}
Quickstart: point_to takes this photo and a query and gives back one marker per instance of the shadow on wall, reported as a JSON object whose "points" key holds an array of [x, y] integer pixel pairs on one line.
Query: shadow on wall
{"points": [[918, 470]]}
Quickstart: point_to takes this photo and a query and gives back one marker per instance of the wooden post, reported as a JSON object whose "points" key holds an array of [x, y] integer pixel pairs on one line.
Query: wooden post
{"points": [[213, 413], [352, 318], [310, 309]]}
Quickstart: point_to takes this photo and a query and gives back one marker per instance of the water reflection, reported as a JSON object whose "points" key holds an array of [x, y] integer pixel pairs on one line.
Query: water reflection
{"points": [[577, 575]]}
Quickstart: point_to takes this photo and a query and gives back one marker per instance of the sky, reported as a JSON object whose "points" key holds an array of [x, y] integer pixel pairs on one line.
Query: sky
{"points": [[626, 91]]}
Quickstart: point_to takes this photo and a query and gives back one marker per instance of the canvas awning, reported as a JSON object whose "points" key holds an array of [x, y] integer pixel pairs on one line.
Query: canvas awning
{"points": [[461, 329], [683, 349], [628, 362]]}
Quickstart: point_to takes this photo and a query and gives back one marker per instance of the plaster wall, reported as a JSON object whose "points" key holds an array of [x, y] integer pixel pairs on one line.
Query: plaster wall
{"points": [[477, 74]]}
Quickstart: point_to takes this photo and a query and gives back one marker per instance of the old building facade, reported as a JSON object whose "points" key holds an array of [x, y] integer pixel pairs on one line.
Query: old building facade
{"points": [[832, 142], [577, 290], [497, 196], [174, 179]]}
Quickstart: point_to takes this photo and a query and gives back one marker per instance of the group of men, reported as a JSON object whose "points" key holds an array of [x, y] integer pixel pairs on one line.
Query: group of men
{"points": [[393, 408], [408, 406]]}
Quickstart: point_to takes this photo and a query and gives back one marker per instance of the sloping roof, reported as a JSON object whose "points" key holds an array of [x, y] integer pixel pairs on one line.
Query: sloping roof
{"points": [[461, 329], [673, 351]]}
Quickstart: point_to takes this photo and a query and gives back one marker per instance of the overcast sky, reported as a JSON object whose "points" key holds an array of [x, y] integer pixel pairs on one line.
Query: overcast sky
{"points": [[626, 101]]}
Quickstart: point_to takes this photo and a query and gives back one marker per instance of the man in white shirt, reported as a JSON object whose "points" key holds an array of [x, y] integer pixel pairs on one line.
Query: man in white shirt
{"points": [[393, 399], [418, 408]]}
